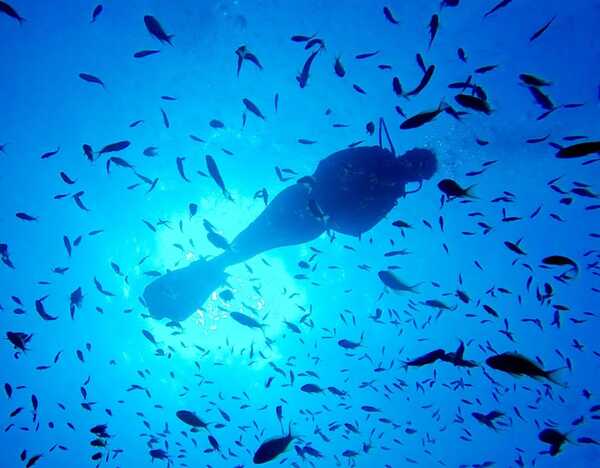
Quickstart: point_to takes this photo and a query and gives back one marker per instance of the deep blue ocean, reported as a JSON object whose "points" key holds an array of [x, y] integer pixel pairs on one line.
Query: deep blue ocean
{"points": [[509, 267]]}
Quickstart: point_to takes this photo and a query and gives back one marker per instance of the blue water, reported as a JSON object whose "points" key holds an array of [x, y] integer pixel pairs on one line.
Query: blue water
{"points": [[424, 414]]}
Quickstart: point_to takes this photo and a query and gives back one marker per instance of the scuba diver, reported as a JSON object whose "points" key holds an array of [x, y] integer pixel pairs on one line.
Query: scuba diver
{"points": [[349, 193]]}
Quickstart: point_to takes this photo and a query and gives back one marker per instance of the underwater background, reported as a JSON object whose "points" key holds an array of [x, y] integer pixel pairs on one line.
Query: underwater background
{"points": [[111, 233]]}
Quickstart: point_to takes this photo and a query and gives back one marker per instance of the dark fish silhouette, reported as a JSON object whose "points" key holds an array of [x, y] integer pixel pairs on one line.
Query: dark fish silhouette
{"points": [[302, 78], [213, 170], [97, 10], [10, 11], [145, 53], [271, 449], [155, 29], [91, 79], [253, 108]]}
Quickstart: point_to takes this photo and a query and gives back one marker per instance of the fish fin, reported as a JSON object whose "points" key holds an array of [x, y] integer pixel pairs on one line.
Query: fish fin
{"points": [[469, 192], [551, 376]]}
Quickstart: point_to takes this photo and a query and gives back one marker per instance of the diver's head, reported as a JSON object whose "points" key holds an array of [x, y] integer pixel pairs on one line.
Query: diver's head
{"points": [[418, 164]]}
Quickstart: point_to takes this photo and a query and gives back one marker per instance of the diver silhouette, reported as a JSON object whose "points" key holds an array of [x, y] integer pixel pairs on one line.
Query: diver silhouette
{"points": [[349, 193]]}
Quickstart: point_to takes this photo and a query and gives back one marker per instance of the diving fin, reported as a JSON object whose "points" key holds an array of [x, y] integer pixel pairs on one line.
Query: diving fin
{"points": [[179, 293]]}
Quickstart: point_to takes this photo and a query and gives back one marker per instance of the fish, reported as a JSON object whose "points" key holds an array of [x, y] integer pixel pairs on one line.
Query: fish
{"points": [[422, 118], [488, 419], [498, 6], [473, 102], [247, 321], [114, 147], [165, 118], [243, 53], [311, 388], [391, 281], [10, 11], [253, 108], [302, 78], [145, 53], [542, 30], [532, 80], [49, 154], [425, 359], [423, 83], [96, 12], [338, 67], [434, 25], [554, 438], [366, 55], [389, 15], [180, 169], [5, 257], [561, 260], [91, 79], [156, 30], [272, 448], [19, 340], [517, 364], [452, 189], [579, 150], [542, 99], [26, 216], [213, 170], [191, 419]]}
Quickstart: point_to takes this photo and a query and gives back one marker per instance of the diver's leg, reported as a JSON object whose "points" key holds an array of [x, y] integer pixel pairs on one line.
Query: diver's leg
{"points": [[287, 220]]}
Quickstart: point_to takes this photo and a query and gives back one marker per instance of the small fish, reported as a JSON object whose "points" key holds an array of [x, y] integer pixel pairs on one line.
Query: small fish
{"points": [[424, 81], [517, 364], [97, 10], [422, 118], [253, 108], [389, 15], [366, 55], [473, 102], [180, 169], [91, 79], [498, 6], [390, 280], [165, 118], [49, 154], [554, 438], [542, 30], [452, 189], [246, 320], [243, 53], [5, 257], [145, 53], [156, 30], [272, 448], [191, 419], [26, 216], [302, 78], [338, 67], [434, 25], [579, 150], [532, 80], [114, 147], [10, 11], [213, 170]]}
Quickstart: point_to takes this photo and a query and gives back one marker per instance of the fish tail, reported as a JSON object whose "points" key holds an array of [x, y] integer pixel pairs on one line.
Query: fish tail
{"points": [[469, 192], [551, 376]]}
